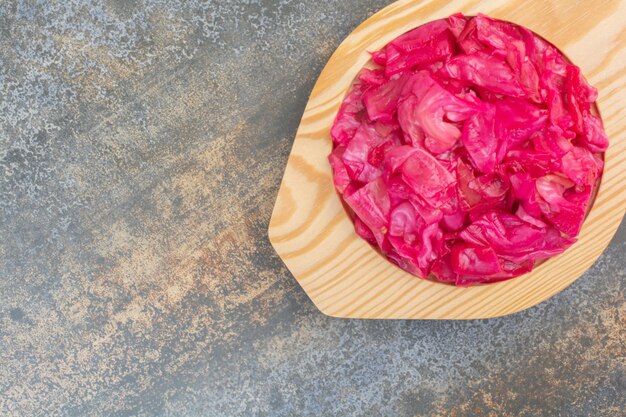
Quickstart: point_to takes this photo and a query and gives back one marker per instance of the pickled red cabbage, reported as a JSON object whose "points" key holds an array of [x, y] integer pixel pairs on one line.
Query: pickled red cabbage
{"points": [[470, 151]]}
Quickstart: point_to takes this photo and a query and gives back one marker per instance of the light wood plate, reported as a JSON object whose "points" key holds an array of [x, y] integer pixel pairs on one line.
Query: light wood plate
{"points": [[341, 273]]}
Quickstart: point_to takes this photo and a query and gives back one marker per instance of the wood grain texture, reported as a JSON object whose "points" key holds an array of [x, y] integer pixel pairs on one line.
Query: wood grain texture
{"points": [[341, 273]]}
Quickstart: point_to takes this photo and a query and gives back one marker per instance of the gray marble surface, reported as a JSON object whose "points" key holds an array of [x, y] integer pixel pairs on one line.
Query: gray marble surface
{"points": [[141, 148]]}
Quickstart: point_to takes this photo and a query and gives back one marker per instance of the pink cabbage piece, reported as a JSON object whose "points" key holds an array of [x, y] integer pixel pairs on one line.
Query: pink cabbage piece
{"points": [[417, 48], [429, 114], [371, 205], [341, 177], [349, 117], [484, 70], [515, 239], [470, 152], [381, 101], [481, 141]]}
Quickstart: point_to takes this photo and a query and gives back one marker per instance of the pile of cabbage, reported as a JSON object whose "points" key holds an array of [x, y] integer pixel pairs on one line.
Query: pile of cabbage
{"points": [[469, 152]]}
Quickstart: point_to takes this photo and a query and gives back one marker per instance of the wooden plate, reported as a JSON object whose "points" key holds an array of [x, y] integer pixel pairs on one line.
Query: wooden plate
{"points": [[341, 273]]}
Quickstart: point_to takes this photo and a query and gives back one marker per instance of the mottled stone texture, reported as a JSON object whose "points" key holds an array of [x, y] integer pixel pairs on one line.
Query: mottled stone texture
{"points": [[141, 148]]}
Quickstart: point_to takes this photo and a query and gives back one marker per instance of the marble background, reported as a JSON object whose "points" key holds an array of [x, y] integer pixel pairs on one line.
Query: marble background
{"points": [[141, 148]]}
